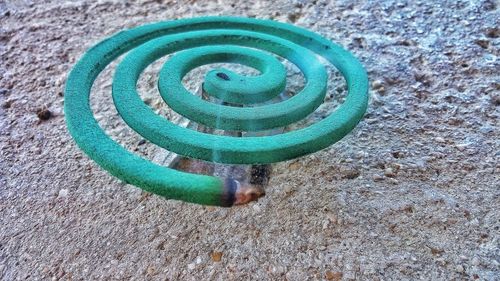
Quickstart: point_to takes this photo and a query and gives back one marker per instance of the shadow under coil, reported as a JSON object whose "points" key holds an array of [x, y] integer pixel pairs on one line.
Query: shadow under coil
{"points": [[193, 43]]}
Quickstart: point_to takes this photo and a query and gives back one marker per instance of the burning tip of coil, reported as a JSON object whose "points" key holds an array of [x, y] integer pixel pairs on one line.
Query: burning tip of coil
{"points": [[246, 193]]}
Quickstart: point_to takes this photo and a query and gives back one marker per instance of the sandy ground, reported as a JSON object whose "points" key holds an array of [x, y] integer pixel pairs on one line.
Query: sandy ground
{"points": [[412, 193]]}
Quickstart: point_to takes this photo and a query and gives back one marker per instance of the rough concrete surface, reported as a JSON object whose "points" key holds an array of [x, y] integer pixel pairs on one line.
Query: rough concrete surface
{"points": [[412, 193]]}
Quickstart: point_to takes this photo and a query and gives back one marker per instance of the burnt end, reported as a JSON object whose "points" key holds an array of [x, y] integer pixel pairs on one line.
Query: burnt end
{"points": [[229, 193]]}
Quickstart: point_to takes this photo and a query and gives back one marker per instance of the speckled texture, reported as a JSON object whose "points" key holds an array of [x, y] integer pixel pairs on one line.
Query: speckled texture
{"points": [[412, 193]]}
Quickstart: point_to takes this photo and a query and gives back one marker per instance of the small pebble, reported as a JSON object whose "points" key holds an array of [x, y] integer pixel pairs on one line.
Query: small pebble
{"points": [[43, 114], [293, 17], [393, 181], [325, 224], [256, 208], [288, 190], [496, 100], [440, 140], [389, 173], [7, 104], [62, 193], [330, 275], [216, 256], [350, 173], [397, 154], [332, 218], [436, 251], [483, 43], [294, 166], [150, 271], [377, 84], [493, 32], [459, 268], [462, 146]]}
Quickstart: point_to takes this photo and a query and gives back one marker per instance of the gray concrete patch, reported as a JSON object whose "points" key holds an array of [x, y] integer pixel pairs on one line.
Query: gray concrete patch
{"points": [[412, 193]]}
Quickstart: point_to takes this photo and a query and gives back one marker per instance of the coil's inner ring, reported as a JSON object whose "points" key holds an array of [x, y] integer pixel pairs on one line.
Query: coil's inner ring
{"points": [[223, 84]]}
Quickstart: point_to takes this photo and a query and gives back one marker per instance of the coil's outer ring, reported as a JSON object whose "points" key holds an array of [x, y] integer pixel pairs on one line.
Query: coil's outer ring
{"points": [[198, 188]]}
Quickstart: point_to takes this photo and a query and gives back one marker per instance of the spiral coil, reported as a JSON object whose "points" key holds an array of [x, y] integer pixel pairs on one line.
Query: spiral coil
{"points": [[196, 42]]}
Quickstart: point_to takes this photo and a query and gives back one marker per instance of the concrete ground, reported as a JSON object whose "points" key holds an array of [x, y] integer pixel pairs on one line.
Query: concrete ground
{"points": [[412, 193]]}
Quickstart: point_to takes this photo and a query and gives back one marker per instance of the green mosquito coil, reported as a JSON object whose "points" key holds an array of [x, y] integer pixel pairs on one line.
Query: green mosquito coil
{"points": [[199, 41]]}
